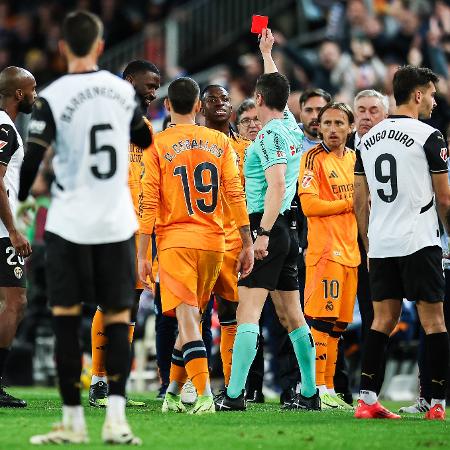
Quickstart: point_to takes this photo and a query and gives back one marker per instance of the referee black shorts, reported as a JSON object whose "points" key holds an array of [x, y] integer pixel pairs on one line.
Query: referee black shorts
{"points": [[102, 274], [278, 270], [416, 277]]}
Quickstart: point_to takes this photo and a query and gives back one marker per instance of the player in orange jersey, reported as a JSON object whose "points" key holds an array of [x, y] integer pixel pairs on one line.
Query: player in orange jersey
{"points": [[326, 194], [185, 169], [216, 107], [145, 78]]}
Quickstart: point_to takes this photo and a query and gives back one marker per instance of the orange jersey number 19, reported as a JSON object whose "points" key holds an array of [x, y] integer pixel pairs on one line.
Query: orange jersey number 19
{"points": [[205, 179]]}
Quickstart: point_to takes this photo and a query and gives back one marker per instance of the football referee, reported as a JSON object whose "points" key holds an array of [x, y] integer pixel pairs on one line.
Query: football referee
{"points": [[271, 170]]}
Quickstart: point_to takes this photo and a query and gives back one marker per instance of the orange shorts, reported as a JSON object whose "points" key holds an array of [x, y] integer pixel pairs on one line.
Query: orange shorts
{"points": [[226, 284], [330, 291], [139, 285], [187, 275]]}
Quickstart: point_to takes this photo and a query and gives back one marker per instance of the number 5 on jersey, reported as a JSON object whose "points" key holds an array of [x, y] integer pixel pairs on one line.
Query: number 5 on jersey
{"points": [[207, 192]]}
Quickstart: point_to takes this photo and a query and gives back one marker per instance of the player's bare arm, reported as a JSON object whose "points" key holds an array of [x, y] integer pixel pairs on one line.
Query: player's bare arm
{"points": [[361, 206], [442, 192], [276, 188], [265, 46], [246, 258], [144, 265], [21, 245]]}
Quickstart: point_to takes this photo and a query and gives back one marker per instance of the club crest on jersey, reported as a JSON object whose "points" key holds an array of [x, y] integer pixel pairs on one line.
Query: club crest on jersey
{"points": [[281, 154], [18, 272], [292, 148], [306, 181], [2, 145], [444, 154]]}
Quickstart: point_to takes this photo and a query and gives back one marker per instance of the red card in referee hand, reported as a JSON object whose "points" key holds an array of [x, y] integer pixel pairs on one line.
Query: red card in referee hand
{"points": [[259, 23]]}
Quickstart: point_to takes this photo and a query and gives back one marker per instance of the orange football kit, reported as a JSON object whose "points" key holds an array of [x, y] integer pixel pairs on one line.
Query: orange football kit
{"points": [[226, 284], [135, 174], [186, 169], [326, 194]]}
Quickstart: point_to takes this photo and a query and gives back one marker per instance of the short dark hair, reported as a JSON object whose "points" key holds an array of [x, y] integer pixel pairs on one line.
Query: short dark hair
{"points": [[246, 105], [80, 30], [310, 93], [211, 86], [138, 66], [409, 78], [339, 106], [183, 93], [274, 89]]}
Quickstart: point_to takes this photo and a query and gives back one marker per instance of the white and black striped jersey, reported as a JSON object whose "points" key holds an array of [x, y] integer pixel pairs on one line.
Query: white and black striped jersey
{"points": [[87, 118], [11, 155], [398, 156]]}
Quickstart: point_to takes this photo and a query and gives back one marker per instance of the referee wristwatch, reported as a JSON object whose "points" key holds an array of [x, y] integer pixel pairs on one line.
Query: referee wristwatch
{"points": [[262, 232]]}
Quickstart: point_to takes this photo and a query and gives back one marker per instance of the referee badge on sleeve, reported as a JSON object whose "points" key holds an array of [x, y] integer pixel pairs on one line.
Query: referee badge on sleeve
{"points": [[444, 154]]}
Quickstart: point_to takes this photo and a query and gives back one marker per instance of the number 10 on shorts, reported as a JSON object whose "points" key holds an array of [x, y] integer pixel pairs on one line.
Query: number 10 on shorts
{"points": [[330, 289]]}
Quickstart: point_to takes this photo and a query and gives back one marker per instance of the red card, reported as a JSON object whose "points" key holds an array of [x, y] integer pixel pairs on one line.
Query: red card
{"points": [[259, 23]]}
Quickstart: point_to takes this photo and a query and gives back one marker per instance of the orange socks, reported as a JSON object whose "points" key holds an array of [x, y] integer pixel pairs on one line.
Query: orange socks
{"points": [[332, 350], [228, 333], [131, 328], [196, 363], [99, 341], [321, 341]]}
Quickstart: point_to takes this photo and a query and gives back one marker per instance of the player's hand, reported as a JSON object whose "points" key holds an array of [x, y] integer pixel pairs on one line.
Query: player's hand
{"points": [[245, 261], [267, 40], [260, 247], [20, 243], [144, 271]]}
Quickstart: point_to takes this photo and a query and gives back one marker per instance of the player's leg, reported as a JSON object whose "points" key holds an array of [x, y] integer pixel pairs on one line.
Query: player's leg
{"points": [[166, 333], [12, 308], [251, 302], [386, 316], [226, 293], [324, 298], [69, 279], [177, 378], [193, 349], [114, 271], [13, 301], [347, 280], [226, 311], [287, 305], [98, 391], [431, 317], [187, 277]]}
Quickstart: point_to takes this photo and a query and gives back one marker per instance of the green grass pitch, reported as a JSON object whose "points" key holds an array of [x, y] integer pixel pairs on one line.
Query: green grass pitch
{"points": [[260, 427]]}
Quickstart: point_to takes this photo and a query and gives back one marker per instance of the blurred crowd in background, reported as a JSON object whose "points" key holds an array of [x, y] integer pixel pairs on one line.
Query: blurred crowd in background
{"points": [[361, 44]]}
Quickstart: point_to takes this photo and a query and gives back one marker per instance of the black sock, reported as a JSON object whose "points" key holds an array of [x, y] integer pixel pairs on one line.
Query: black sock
{"points": [[373, 357], [437, 346], [4, 352], [117, 358], [68, 358]]}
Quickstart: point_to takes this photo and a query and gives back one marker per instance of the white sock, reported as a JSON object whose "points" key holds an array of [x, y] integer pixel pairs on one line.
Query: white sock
{"points": [[368, 397], [173, 388], [437, 401], [115, 409], [332, 392], [95, 379], [73, 417], [322, 389]]}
